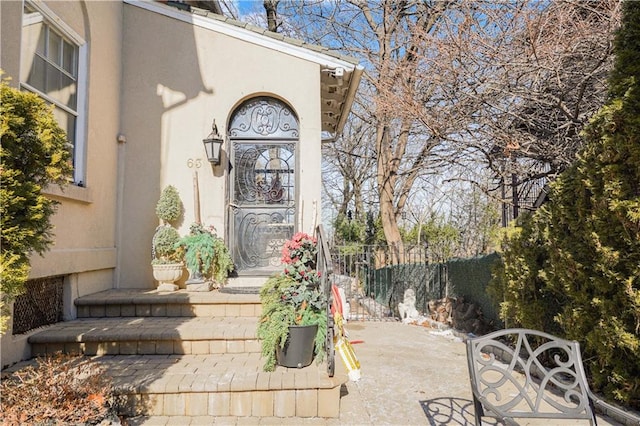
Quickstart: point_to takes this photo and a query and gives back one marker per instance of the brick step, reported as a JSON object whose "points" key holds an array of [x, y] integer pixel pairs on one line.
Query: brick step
{"points": [[151, 303], [221, 385], [148, 336]]}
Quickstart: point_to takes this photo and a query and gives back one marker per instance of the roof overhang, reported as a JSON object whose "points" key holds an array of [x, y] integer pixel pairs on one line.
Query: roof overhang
{"points": [[338, 90], [339, 75]]}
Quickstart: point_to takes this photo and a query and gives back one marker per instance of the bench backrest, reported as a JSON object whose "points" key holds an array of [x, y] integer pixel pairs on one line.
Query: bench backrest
{"points": [[521, 373]]}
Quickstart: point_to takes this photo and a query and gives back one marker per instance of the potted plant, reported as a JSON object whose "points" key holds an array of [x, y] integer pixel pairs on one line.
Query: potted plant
{"points": [[207, 258], [167, 256], [293, 324]]}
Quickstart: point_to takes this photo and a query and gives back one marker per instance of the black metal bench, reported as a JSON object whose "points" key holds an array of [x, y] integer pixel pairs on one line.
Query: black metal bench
{"points": [[525, 374]]}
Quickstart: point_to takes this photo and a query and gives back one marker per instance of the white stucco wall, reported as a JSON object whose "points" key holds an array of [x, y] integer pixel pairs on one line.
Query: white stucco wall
{"points": [[85, 222], [176, 81], [158, 82]]}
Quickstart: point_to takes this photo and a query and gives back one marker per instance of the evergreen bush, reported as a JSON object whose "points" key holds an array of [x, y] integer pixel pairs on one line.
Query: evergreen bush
{"points": [[577, 259], [33, 154]]}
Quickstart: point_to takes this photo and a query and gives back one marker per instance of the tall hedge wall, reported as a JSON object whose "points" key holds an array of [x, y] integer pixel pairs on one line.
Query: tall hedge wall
{"points": [[573, 267]]}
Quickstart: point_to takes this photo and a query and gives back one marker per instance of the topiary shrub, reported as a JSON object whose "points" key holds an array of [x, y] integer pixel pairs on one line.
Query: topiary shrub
{"points": [[169, 206], [33, 154], [165, 242]]}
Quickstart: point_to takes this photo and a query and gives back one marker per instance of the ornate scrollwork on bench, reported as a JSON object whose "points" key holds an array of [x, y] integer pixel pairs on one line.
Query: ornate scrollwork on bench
{"points": [[520, 373]]}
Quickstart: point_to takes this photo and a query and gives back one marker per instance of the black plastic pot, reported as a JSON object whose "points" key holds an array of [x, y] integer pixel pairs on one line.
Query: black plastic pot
{"points": [[298, 349]]}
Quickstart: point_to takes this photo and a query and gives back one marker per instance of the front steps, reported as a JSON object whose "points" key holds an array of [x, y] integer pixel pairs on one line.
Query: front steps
{"points": [[220, 385], [149, 336], [243, 285], [150, 303], [188, 354]]}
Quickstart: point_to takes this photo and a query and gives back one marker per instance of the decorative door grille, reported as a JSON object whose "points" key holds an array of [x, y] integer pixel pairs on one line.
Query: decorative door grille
{"points": [[262, 188]]}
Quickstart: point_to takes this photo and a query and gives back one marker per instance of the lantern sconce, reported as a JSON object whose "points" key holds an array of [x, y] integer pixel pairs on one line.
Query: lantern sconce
{"points": [[213, 145]]}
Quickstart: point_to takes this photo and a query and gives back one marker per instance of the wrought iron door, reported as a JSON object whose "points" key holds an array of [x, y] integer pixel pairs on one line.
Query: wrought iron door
{"points": [[262, 216]]}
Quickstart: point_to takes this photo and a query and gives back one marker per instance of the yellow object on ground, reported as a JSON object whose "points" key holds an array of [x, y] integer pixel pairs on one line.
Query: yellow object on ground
{"points": [[342, 345]]}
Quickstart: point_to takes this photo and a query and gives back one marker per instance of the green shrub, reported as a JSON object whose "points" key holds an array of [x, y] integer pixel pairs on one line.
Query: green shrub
{"points": [[518, 286], [206, 253], [577, 259], [33, 154]]}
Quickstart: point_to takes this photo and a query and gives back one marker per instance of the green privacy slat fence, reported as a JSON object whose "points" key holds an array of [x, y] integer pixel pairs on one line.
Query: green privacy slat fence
{"points": [[388, 284], [469, 278], [374, 288]]}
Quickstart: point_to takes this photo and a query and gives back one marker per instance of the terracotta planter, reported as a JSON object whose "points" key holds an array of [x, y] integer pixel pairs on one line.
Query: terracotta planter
{"points": [[298, 350]]}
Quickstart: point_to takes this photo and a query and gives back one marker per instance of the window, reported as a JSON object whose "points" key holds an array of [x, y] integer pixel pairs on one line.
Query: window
{"points": [[52, 67]]}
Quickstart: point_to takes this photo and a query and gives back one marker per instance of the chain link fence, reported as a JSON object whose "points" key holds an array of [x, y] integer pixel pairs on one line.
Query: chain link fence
{"points": [[40, 305]]}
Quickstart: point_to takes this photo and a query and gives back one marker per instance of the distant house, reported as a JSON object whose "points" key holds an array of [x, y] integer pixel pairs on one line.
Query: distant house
{"points": [[137, 86]]}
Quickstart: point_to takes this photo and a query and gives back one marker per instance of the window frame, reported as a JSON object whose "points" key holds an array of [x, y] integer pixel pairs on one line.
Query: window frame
{"points": [[55, 24]]}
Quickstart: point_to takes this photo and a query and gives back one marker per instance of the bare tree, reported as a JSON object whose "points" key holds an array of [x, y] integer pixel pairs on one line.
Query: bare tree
{"points": [[380, 32], [466, 84], [271, 7], [349, 172], [526, 76]]}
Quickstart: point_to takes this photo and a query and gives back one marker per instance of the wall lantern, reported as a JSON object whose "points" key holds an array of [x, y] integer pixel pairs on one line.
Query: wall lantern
{"points": [[213, 144]]}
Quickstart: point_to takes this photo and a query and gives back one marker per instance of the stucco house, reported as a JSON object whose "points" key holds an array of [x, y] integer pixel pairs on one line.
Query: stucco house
{"points": [[138, 85]]}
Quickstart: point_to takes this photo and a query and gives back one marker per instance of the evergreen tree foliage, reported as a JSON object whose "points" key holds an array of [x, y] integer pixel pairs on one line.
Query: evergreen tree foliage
{"points": [[349, 230], [517, 284], [33, 155], [582, 249]]}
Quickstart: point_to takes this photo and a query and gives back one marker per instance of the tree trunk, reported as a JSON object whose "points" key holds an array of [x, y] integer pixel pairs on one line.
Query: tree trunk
{"points": [[271, 7], [386, 181]]}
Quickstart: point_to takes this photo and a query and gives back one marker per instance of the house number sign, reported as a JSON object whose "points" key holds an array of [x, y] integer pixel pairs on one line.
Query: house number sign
{"points": [[194, 163]]}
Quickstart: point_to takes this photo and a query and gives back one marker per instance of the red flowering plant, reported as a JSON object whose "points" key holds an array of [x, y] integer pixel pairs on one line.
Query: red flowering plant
{"points": [[300, 248], [293, 297], [299, 256]]}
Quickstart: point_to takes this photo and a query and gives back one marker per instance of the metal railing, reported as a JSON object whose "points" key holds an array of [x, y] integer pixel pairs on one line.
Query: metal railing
{"points": [[374, 280]]}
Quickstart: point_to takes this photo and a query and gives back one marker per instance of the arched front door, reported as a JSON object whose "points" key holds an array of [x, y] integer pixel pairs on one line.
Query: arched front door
{"points": [[263, 133]]}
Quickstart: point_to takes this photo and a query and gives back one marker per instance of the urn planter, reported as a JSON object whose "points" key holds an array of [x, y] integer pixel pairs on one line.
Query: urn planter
{"points": [[167, 274]]}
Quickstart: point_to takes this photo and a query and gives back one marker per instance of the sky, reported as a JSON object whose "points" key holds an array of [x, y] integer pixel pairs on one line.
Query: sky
{"points": [[247, 7]]}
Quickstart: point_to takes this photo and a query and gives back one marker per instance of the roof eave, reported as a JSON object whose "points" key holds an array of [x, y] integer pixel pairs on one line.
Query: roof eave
{"points": [[351, 95], [327, 60], [251, 34]]}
